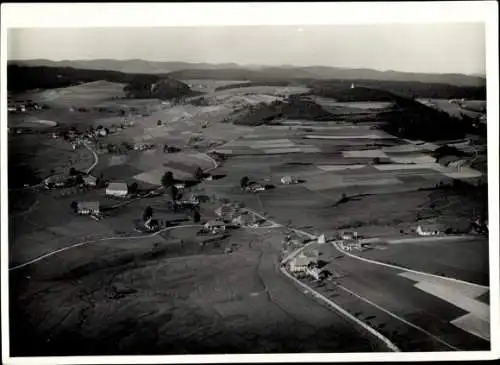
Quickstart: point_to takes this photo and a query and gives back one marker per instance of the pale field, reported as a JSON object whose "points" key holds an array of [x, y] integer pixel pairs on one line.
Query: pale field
{"points": [[81, 95]]}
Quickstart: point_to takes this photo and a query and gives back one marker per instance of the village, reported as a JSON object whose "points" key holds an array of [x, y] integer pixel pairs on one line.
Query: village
{"points": [[172, 204]]}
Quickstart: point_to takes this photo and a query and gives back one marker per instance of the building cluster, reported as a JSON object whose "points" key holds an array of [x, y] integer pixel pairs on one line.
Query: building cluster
{"points": [[67, 181], [22, 106], [288, 180], [236, 216], [143, 146], [307, 263]]}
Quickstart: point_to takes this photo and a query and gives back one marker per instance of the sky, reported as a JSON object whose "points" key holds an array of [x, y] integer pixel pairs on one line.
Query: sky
{"points": [[430, 48]]}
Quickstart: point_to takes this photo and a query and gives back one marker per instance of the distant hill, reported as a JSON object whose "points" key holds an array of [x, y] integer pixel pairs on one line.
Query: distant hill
{"points": [[337, 89], [22, 78], [186, 70]]}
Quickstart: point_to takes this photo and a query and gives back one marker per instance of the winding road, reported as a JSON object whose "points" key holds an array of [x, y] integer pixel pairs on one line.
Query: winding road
{"points": [[452, 335]]}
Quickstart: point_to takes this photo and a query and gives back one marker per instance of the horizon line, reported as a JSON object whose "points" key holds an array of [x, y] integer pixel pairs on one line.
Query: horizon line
{"points": [[475, 74]]}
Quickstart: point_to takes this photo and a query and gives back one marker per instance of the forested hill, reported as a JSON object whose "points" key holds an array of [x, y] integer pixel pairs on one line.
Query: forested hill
{"points": [[23, 78]]}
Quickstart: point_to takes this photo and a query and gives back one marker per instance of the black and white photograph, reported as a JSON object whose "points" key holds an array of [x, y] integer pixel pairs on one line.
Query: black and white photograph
{"points": [[294, 190]]}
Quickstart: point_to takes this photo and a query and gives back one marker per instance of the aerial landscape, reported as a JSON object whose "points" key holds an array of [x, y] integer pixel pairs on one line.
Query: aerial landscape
{"points": [[160, 208]]}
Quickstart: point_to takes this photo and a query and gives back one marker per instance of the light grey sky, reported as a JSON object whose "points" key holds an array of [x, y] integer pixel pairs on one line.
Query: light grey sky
{"points": [[434, 48]]}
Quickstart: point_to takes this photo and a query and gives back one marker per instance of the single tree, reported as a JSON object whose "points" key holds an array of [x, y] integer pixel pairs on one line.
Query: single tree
{"points": [[174, 192], [79, 180], [74, 206], [196, 216], [72, 171], [198, 173], [158, 122], [126, 146], [100, 181], [148, 213], [165, 148], [107, 130], [244, 182], [167, 179], [133, 188], [100, 127]]}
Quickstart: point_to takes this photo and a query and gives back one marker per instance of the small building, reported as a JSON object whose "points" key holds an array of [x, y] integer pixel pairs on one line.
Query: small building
{"points": [[102, 132], [299, 264], [287, 180], [191, 200], [349, 235], [117, 189], [422, 232], [322, 239], [90, 180], [180, 186], [215, 227], [254, 188], [314, 272], [58, 181], [86, 208], [152, 225]]}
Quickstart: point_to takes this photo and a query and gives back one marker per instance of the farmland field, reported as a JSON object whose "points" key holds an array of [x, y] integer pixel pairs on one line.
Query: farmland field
{"points": [[102, 286]]}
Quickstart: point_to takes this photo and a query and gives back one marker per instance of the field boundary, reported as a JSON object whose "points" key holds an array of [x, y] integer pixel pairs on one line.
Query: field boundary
{"points": [[79, 244], [407, 270], [391, 346]]}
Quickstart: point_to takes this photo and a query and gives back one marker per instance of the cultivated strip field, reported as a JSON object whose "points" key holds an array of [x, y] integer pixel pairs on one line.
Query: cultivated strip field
{"points": [[76, 283]]}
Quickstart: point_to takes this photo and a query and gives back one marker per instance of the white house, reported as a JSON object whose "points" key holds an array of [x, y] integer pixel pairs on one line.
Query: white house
{"points": [[287, 180], [215, 227], [421, 232], [117, 189], [299, 264], [86, 208]]}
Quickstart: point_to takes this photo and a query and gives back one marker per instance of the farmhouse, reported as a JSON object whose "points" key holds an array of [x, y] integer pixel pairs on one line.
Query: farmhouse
{"points": [[117, 189], [254, 188], [287, 180], [348, 235], [86, 208], [58, 181], [299, 264], [215, 227], [422, 232], [90, 180]]}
